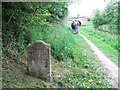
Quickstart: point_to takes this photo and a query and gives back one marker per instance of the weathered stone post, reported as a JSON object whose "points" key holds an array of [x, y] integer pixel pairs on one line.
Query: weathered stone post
{"points": [[39, 61]]}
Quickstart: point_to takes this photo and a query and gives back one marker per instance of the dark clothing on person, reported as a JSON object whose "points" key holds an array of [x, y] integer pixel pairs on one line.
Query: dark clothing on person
{"points": [[73, 25]]}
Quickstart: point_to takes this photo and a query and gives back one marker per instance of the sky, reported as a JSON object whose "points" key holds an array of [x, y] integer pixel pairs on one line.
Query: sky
{"points": [[86, 7]]}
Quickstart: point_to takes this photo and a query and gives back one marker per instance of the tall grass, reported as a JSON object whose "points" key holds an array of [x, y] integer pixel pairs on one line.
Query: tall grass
{"points": [[59, 37]]}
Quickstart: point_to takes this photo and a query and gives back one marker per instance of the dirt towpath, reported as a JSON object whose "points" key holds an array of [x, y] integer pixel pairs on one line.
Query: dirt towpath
{"points": [[111, 69]]}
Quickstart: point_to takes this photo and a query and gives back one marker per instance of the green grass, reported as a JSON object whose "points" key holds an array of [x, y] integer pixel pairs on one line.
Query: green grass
{"points": [[60, 39], [76, 65], [108, 43], [83, 71], [110, 39]]}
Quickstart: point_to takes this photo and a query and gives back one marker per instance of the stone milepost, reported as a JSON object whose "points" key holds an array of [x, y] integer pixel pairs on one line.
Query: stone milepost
{"points": [[39, 61]]}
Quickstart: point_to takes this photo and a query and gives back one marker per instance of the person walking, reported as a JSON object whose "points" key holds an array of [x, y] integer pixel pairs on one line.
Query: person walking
{"points": [[73, 25]]}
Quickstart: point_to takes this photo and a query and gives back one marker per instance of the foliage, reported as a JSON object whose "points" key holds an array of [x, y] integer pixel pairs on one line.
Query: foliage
{"points": [[57, 13], [110, 13], [26, 22], [83, 71], [107, 18], [97, 19], [18, 16]]}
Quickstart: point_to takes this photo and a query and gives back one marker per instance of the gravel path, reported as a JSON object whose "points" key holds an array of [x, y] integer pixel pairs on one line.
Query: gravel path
{"points": [[110, 67]]}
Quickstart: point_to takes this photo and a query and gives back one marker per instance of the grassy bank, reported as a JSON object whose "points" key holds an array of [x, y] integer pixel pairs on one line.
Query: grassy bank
{"points": [[59, 37], [73, 62], [108, 43], [83, 72]]}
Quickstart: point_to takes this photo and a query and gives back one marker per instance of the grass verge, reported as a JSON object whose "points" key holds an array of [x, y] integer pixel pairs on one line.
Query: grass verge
{"points": [[100, 39], [83, 72]]}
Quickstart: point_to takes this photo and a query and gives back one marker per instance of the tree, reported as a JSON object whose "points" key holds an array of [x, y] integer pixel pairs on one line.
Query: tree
{"points": [[97, 19], [108, 17]]}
